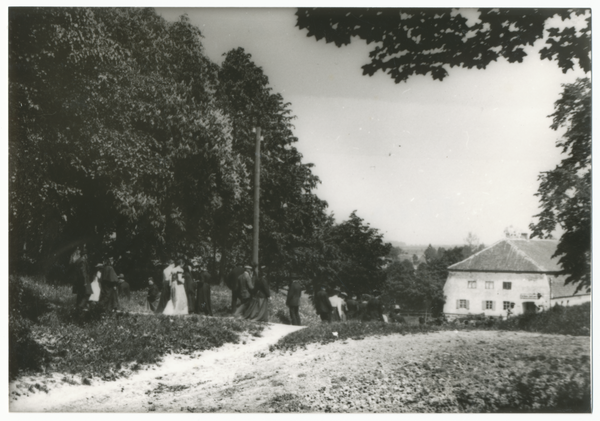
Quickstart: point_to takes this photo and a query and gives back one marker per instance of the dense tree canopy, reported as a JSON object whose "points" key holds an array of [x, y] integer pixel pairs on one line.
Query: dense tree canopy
{"points": [[126, 137], [428, 41]]}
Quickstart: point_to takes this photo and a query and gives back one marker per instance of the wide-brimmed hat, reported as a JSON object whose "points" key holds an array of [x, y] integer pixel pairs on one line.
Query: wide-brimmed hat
{"points": [[247, 267], [396, 307], [121, 276]]}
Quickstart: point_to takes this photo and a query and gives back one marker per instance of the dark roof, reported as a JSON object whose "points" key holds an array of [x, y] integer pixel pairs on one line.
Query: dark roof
{"points": [[513, 255], [559, 289]]}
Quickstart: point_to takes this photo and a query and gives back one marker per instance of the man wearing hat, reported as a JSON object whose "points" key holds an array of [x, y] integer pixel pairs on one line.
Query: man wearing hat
{"points": [[374, 309], [123, 288], [153, 295], [293, 300], [395, 316], [109, 297], [322, 305]]}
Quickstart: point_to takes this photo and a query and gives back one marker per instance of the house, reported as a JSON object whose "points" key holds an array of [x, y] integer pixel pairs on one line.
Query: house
{"points": [[515, 274]]}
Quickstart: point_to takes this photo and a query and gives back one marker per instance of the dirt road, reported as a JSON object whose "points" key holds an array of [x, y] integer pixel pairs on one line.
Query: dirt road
{"points": [[378, 374]]}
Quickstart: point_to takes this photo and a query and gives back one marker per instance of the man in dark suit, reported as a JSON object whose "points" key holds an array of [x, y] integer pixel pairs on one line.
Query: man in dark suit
{"points": [[232, 283], [353, 308], [374, 310], [190, 288], [203, 303], [293, 300], [123, 288], [80, 279], [109, 297], [322, 305]]}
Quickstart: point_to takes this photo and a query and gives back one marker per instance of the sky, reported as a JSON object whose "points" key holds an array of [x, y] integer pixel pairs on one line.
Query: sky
{"points": [[423, 161]]}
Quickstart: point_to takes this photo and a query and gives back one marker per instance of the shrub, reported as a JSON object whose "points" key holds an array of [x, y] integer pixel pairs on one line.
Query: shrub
{"points": [[574, 320]]}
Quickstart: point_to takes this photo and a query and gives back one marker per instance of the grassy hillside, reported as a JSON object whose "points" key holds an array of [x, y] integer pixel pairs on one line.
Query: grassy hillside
{"points": [[47, 334]]}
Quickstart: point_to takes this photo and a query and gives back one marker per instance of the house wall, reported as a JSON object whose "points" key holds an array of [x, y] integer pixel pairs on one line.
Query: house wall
{"points": [[524, 288], [572, 300]]}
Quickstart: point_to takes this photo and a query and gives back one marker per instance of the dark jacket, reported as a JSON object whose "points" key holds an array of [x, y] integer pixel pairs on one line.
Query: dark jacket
{"points": [[322, 304], [261, 287], [232, 279], [293, 295], [153, 293], [189, 284], [245, 287], [80, 277], [124, 289], [203, 301]]}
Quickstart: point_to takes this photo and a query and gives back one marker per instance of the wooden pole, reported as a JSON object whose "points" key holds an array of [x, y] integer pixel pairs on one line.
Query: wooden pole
{"points": [[256, 198]]}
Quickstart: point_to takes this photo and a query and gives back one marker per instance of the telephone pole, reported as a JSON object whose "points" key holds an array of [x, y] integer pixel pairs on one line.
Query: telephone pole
{"points": [[256, 197]]}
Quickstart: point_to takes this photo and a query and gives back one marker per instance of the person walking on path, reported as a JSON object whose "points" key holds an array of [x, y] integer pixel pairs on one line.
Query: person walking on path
{"points": [[293, 300], [339, 307], [109, 298], [178, 303], [123, 288], [257, 308], [165, 294], [232, 283], [153, 295], [80, 279], [322, 305], [203, 302], [245, 286], [190, 288]]}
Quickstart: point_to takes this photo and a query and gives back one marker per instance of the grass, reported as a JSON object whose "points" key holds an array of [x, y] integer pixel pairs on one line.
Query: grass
{"points": [[48, 334], [338, 331]]}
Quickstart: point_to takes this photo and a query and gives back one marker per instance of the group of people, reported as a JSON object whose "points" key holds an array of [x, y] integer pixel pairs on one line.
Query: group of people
{"points": [[100, 286], [252, 291], [180, 292], [340, 307]]}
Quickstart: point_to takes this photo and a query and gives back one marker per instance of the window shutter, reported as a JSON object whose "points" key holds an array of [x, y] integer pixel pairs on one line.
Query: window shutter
{"points": [[493, 305], [467, 304], [483, 305], [457, 304]]}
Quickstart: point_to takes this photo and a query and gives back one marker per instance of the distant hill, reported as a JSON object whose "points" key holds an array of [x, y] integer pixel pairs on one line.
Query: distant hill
{"points": [[419, 249]]}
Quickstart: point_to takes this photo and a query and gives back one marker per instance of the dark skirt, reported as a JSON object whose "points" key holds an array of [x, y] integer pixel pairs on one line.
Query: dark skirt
{"points": [[255, 308]]}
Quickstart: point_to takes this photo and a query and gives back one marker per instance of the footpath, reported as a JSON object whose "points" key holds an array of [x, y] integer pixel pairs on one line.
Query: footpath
{"points": [[178, 383]]}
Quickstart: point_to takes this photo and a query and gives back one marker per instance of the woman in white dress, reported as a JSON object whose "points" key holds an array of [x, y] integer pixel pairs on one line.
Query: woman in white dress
{"points": [[96, 287], [178, 303]]}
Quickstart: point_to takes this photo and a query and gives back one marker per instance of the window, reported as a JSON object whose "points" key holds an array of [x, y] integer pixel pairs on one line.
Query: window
{"points": [[462, 304], [506, 285], [488, 305], [506, 305], [472, 284], [489, 284]]}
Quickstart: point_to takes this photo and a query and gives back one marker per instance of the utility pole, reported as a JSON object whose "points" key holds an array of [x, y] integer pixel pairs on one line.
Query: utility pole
{"points": [[256, 197]]}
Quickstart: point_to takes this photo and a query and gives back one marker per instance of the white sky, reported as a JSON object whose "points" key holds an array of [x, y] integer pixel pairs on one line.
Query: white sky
{"points": [[423, 161]]}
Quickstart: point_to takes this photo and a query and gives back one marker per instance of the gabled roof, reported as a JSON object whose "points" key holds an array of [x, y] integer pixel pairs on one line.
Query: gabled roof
{"points": [[513, 255]]}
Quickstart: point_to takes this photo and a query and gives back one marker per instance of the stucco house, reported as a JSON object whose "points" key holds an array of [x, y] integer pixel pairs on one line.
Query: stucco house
{"points": [[515, 274]]}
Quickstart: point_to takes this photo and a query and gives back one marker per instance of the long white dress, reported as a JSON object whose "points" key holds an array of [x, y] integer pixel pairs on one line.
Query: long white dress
{"points": [[178, 303], [95, 288]]}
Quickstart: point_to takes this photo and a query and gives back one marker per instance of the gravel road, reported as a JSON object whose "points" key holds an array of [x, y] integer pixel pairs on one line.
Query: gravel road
{"points": [[396, 373]]}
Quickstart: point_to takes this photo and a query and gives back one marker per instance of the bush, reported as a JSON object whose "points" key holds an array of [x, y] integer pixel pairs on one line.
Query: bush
{"points": [[574, 320]]}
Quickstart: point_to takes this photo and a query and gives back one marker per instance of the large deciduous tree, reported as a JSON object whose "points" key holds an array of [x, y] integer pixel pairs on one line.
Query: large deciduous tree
{"points": [[428, 41], [115, 138], [565, 192]]}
